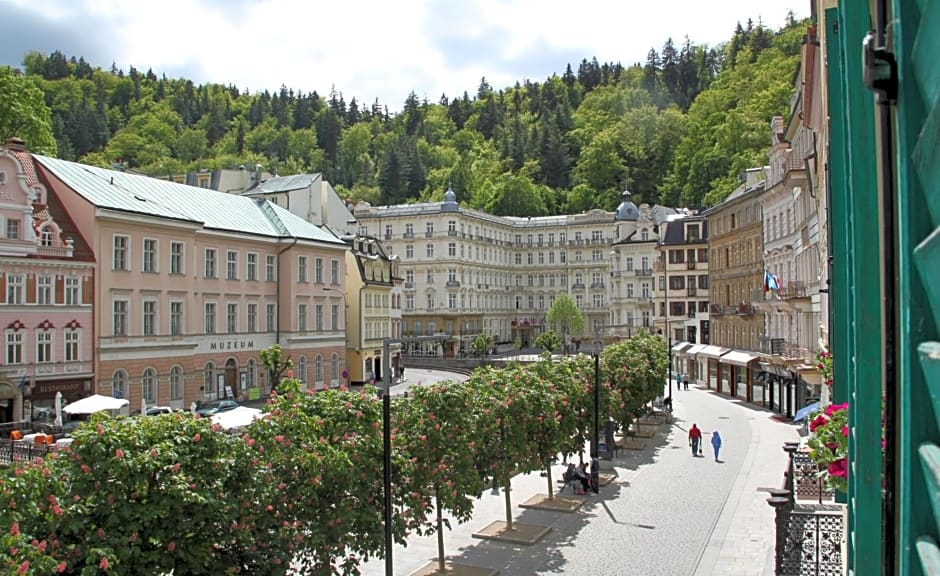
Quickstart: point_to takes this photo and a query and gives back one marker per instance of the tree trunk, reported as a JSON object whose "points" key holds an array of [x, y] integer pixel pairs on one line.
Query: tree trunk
{"points": [[508, 503], [551, 489], [440, 530]]}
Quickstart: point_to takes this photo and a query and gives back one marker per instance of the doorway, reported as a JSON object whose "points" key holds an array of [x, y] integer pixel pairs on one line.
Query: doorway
{"points": [[231, 377]]}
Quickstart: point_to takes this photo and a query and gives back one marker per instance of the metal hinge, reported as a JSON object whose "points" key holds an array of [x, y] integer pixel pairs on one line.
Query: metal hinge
{"points": [[879, 70]]}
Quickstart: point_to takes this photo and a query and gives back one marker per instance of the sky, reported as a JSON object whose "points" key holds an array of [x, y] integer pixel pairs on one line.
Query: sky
{"points": [[369, 49]]}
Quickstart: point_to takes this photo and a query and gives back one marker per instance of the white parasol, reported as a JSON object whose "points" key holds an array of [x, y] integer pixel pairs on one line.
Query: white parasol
{"points": [[95, 403], [236, 418]]}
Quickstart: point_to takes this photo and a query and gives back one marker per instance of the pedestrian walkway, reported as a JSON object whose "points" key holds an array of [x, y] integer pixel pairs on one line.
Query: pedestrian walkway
{"points": [[666, 514]]}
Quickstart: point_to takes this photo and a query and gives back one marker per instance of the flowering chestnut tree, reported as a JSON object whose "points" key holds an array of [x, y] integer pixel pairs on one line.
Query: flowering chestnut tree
{"points": [[636, 369], [434, 429]]}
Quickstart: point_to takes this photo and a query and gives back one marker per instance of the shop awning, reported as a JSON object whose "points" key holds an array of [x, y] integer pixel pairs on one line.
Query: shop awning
{"points": [[810, 375], [680, 347], [738, 358], [774, 369], [713, 351], [693, 350]]}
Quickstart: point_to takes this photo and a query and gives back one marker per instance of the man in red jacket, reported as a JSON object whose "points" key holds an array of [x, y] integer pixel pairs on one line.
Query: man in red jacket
{"points": [[695, 437]]}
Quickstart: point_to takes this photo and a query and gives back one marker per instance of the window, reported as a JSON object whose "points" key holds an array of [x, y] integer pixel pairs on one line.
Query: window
{"points": [[45, 236], [318, 369], [176, 383], [252, 266], [430, 250], [208, 377], [252, 318], [150, 255], [210, 263], [451, 249], [409, 251], [301, 268], [318, 317], [269, 319], [451, 227], [334, 272], [409, 301], [334, 367], [176, 258], [430, 276], [645, 234], [71, 339], [231, 317], [430, 301], [518, 259], [302, 369], [334, 317], [72, 291], [148, 384], [409, 230], [14, 348], [252, 373], [119, 318], [270, 268], [119, 384], [13, 229], [677, 282], [703, 282], [15, 288], [119, 256], [231, 265], [318, 270], [176, 318], [44, 290], [44, 346], [409, 276], [150, 317], [429, 229], [388, 231], [210, 317], [452, 301], [302, 317], [676, 256], [529, 258]]}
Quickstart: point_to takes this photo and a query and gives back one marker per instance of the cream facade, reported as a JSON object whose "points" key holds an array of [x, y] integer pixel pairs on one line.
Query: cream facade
{"points": [[47, 286], [466, 272], [194, 283]]}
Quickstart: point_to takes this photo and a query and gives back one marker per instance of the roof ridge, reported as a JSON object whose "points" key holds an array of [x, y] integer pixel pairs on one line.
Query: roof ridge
{"points": [[271, 214]]}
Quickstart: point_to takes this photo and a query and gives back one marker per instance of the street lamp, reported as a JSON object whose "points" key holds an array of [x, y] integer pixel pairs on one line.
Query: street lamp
{"points": [[666, 316], [595, 438], [387, 440]]}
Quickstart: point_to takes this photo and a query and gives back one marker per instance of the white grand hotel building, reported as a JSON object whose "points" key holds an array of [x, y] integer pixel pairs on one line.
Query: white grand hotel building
{"points": [[468, 272]]}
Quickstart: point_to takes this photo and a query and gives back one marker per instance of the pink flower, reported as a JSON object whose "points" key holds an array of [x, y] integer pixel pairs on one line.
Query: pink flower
{"points": [[818, 421], [153, 453], [60, 567], [839, 468], [845, 432], [15, 529], [833, 408], [118, 453], [171, 546], [197, 437], [23, 567], [104, 564]]}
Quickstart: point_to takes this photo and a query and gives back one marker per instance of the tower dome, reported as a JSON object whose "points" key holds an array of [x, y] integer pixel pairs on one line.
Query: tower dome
{"points": [[627, 210], [450, 201]]}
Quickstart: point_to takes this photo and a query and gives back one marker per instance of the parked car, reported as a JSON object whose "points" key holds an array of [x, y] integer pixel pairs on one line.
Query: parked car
{"points": [[215, 406], [156, 410]]}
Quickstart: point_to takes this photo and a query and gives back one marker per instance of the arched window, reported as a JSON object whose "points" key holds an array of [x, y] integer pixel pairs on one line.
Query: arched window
{"points": [[149, 385], [302, 369], [119, 384], [209, 378], [176, 383], [46, 235], [252, 372], [318, 369], [334, 368]]}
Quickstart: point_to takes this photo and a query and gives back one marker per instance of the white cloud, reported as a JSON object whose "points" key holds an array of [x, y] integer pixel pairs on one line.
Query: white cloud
{"points": [[372, 49]]}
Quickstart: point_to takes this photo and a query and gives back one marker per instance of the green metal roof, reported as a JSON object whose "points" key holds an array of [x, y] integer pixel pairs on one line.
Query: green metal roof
{"points": [[165, 199]]}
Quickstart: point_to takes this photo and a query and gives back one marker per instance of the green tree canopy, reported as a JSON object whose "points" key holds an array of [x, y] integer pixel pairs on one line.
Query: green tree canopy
{"points": [[24, 114], [565, 317]]}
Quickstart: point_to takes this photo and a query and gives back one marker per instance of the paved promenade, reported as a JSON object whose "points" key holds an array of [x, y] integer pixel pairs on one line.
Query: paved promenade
{"points": [[666, 513]]}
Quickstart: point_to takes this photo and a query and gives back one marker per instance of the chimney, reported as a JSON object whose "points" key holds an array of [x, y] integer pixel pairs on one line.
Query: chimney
{"points": [[16, 144]]}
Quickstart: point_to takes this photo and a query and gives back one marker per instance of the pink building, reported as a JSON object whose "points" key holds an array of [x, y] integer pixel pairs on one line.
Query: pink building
{"points": [[47, 287], [194, 283]]}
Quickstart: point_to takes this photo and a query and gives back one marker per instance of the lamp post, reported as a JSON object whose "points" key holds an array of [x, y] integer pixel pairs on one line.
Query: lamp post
{"points": [[387, 441], [666, 316], [595, 438]]}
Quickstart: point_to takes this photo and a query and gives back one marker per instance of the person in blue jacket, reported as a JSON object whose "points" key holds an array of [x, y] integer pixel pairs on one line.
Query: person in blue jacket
{"points": [[716, 443]]}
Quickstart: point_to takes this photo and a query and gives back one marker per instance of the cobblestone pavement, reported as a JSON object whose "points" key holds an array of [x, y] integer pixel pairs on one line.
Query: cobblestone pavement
{"points": [[667, 513]]}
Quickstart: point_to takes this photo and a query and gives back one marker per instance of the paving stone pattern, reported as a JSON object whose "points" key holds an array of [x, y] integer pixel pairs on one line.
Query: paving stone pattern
{"points": [[666, 514]]}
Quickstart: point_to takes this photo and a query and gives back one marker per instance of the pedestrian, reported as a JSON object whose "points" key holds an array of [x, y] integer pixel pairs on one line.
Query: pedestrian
{"points": [[716, 443], [685, 382], [582, 474], [695, 437], [667, 403], [595, 473]]}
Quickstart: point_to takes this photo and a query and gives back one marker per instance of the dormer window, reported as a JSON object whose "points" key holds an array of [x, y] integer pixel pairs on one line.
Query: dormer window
{"points": [[45, 236]]}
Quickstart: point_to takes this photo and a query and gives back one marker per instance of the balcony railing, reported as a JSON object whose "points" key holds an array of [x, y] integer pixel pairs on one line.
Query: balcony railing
{"points": [[408, 235], [745, 310], [577, 286], [773, 346], [429, 234], [453, 284], [644, 272], [690, 292], [409, 284], [595, 285], [451, 232], [793, 290], [690, 265]]}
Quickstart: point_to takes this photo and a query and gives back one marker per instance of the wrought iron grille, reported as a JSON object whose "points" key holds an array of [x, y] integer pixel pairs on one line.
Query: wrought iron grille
{"points": [[813, 545]]}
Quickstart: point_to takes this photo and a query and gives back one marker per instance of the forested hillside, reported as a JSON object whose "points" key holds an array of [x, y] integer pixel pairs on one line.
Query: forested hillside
{"points": [[677, 129]]}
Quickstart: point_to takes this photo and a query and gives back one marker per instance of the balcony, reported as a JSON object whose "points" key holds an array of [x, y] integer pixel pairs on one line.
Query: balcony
{"points": [[691, 292], [690, 314], [409, 285], [644, 272], [715, 310], [693, 239], [597, 285], [387, 236], [793, 290], [452, 233], [429, 234], [773, 346], [577, 286], [408, 235], [453, 284], [690, 265], [746, 310]]}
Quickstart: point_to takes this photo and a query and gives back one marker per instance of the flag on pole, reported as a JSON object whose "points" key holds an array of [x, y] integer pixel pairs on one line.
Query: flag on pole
{"points": [[22, 383], [771, 282]]}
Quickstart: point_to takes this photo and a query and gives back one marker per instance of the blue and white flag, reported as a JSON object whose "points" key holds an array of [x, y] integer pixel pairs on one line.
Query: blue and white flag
{"points": [[771, 282], [22, 383]]}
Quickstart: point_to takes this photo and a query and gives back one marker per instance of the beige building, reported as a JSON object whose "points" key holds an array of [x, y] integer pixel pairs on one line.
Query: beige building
{"points": [[466, 272], [737, 277], [192, 284]]}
